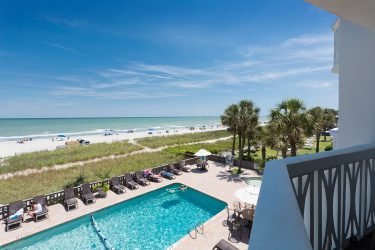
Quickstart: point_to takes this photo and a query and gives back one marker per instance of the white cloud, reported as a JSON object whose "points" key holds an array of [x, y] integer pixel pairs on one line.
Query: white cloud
{"points": [[65, 48]]}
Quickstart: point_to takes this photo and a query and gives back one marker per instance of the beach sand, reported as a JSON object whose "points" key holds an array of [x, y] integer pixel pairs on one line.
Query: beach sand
{"points": [[11, 148]]}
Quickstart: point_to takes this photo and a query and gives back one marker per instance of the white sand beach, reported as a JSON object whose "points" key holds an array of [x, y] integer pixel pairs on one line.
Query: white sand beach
{"points": [[11, 148]]}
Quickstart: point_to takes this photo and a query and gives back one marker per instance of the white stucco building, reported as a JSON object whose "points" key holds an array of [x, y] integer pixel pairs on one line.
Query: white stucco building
{"points": [[323, 200]]}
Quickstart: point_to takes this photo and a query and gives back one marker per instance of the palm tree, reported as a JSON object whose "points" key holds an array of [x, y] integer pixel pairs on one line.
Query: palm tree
{"points": [[291, 118], [316, 119], [329, 120], [278, 129], [229, 118], [253, 124], [248, 117]]}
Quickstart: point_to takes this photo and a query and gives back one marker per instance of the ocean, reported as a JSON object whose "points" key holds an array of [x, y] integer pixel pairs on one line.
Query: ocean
{"points": [[18, 128]]}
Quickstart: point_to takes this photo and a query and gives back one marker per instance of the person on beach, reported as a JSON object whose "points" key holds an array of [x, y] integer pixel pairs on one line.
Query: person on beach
{"points": [[35, 208]]}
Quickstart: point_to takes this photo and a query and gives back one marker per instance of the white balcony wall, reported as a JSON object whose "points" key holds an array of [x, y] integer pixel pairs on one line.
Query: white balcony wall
{"points": [[356, 53]]}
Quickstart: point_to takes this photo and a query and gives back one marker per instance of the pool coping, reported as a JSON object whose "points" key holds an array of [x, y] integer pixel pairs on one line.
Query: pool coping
{"points": [[115, 204]]}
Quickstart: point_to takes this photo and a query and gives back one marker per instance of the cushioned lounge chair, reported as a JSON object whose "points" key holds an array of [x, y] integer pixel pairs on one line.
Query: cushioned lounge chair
{"points": [[70, 201], [116, 186], [225, 245], [129, 182], [14, 222], [167, 175], [138, 177], [44, 213], [181, 166], [173, 170], [86, 194], [152, 177]]}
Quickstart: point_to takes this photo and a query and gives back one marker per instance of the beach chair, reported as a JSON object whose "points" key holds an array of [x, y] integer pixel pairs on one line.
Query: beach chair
{"points": [[167, 175], [116, 186], [173, 170], [86, 194], [14, 221], [224, 245], [130, 183], [181, 166], [138, 177], [70, 201], [44, 213], [152, 177]]}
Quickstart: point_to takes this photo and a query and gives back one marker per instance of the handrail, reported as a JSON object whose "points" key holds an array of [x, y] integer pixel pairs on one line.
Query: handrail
{"points": [[198, 229]]}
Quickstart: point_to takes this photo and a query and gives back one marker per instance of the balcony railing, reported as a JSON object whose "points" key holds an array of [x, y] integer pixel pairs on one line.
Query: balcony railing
{"points": [[316, 201]]}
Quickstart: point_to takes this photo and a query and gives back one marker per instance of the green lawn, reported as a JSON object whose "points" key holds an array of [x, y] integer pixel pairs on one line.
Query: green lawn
{"points": [[156, 142], [66, 155]]}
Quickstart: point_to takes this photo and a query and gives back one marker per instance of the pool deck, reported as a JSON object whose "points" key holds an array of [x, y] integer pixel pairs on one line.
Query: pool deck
{"points": [[216, 182]]}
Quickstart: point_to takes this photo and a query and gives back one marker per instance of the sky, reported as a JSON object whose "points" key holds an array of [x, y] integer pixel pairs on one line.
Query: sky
{"points": [[162, 57]]}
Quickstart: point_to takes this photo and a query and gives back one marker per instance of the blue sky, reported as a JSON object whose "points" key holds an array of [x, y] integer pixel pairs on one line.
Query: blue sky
{"points": [[161, 58]]}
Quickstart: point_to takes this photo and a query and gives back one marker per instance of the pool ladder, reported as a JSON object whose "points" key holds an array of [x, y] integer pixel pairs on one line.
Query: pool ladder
{"points": [[198, 229], [104, 239]]}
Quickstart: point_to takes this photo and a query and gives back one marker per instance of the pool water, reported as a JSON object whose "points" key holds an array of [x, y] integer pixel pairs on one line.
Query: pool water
{"points": [[254, 181], [155, 220]]}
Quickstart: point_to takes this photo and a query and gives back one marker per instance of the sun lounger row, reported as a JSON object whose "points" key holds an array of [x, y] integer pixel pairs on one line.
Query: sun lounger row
{"points": [[131, 181]]}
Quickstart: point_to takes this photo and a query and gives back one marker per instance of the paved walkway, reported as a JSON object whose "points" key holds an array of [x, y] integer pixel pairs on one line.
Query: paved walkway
{"points": [[216, 182]]}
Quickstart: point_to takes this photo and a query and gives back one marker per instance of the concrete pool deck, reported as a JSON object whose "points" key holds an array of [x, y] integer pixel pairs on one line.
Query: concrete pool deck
{"points": [[216, 182]]}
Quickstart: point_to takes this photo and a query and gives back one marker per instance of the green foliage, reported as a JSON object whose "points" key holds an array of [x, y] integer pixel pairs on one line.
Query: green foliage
{"points": [[103, 186], [328, 147], [236, 171], [54, 180], [79, 180], [156, 142], [61, 156]]}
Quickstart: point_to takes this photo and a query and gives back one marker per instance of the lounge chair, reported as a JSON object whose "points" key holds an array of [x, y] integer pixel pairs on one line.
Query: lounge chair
{"points": [[174, 170], [129, 182], [167, 175], [70, 200], [138, 177], [116, 186], [151, 176], [14, 219], [181, 166], [225, 245], [44, 213], [86, 194]]}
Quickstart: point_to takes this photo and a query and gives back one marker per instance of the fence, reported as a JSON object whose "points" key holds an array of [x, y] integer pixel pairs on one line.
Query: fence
{"points": [[58, 197]]}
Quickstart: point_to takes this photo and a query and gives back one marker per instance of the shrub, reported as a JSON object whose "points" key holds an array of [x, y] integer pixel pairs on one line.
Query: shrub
{"points": [[328, 147]]}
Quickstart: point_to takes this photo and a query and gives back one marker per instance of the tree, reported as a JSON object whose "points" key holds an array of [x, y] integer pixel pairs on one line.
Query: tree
{"points": [[329, 120], [316, 119], [229, 118], [248, 117], [278, 129], [290, 117]]}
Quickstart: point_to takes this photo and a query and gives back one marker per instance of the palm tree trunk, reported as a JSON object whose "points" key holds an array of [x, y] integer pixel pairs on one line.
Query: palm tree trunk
{"points": [[293, 149], [283, 152], [324, 129], [249, 145], [239, 150], [234, 142], [317, 142], [263, 153]]}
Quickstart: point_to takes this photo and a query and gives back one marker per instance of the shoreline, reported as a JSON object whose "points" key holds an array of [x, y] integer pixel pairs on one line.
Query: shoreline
{"points": [[12, 148]]}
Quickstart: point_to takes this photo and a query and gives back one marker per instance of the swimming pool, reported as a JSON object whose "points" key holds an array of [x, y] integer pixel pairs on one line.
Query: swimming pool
{"points": [[255, 181], [155, 220]]}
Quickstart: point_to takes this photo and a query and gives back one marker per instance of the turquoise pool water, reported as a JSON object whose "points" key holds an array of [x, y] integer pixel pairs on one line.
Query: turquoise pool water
{"points": [[155, 220], [254, 181]]}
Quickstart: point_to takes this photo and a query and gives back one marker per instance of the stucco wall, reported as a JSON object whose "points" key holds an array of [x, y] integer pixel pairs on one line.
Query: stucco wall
{"points": [[357, 84]]}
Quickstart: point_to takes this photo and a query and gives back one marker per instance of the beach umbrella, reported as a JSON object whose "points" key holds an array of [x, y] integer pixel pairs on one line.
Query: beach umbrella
{"points": [[248, 194], [202, 153]]}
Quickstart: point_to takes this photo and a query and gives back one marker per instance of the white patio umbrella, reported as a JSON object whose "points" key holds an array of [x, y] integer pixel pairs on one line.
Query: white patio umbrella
{"points": [[202, 153], [248, 194]]}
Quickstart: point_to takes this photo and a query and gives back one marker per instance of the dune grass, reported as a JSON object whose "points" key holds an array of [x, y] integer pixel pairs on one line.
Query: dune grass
{"points": [[23, 187], [160, 141], [65, 155]]}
